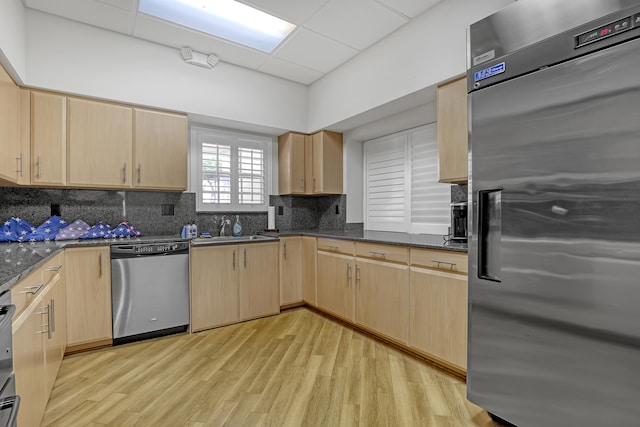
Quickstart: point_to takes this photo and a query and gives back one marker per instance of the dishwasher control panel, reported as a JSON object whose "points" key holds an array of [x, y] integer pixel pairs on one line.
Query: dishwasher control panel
{"points": [[145, 249]]}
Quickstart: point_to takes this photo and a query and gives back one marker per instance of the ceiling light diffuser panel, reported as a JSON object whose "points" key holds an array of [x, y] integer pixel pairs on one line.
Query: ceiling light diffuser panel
{"points": [[227, 19]]}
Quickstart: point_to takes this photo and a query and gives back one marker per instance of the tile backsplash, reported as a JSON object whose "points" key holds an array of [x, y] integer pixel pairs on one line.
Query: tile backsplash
{"points": [[144, 209]]}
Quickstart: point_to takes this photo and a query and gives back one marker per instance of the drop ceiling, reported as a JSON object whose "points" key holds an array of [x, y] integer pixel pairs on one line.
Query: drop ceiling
{"points": [[328, 33]]}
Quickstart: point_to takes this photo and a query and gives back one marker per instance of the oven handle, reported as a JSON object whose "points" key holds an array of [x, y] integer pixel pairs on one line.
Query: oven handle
{"points": [[8, 317], [12, 402]]}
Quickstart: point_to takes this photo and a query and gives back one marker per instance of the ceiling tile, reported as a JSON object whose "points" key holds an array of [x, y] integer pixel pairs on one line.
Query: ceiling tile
{"points": [[289, 71], [410, 8], [90, 12], [314, 51], [356, 23], [295, 11], [172, 35]]}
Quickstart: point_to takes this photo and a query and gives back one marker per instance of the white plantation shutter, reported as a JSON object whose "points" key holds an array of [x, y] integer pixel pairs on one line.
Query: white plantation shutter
{"points": [[387, 182], [232, 170], [402, 192], [430, 210]]}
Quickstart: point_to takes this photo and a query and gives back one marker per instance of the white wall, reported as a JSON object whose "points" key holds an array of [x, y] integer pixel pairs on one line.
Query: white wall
{"points": [[428, 50], [12, 38], [68, 56]]}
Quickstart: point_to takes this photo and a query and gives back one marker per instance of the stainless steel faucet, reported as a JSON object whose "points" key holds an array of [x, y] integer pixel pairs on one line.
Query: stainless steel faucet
{"points": [[223, 223]]}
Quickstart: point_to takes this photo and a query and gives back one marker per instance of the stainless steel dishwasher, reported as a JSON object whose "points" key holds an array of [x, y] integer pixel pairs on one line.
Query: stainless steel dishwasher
{"points": [[149, 290]]}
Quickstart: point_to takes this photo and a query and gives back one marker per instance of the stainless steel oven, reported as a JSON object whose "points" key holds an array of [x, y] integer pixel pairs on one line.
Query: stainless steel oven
{"points": [[9, 402]]}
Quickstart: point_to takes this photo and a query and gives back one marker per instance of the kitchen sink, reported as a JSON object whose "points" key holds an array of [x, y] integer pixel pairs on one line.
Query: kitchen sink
{"points": [[231, 239]]}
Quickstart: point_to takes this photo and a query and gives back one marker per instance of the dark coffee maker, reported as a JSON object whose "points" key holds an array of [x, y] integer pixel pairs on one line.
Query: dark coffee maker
{"points": [[459, 222]]}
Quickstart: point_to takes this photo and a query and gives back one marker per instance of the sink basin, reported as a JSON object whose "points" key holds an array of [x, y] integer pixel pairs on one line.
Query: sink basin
{"points": [[231, 239]]}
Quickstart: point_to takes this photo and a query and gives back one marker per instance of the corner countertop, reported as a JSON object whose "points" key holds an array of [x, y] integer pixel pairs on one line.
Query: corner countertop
{"points": [[20, 259], [429, 241]]}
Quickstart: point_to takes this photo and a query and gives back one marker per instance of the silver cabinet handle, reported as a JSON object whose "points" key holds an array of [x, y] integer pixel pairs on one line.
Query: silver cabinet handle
{"points": [[100, 265], [52, 315], [335, 248], [245, 258], [38, 175], [302, 184], [443, 262], [234, 259], [33, 289], [54, 268], [124, 172], [348, 273], [21, 159], [313, 184], [285, 250], [357, 274], [380, 253], [139, 173], [48, 313]]}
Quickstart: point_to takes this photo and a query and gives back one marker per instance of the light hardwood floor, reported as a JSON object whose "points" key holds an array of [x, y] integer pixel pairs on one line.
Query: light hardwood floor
{"points": [[295, 369]]}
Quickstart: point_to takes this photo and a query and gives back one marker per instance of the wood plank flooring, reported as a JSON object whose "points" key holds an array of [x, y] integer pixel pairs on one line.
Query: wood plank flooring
{"points": [[295, 369]]}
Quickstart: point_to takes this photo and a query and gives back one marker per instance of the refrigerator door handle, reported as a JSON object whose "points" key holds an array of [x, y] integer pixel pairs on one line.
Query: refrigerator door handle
{"points": [[489, 234]]}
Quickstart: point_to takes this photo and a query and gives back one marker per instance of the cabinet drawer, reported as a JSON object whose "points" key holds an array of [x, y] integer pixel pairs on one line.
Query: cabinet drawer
{"points": [[335, 245], [440, 260], [26, 290], [52, 268], [380, 252]]}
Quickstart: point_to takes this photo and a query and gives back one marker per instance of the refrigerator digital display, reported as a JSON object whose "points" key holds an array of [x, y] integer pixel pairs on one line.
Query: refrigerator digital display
{"points": [[605, 31]]}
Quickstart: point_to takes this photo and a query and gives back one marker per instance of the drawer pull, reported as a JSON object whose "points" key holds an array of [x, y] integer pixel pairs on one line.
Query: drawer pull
{"points": [[33, 289], [451, 264], [335, 248], [54, 268], [374, 253]]}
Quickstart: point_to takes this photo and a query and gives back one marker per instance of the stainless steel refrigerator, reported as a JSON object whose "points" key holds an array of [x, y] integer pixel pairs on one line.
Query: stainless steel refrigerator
{"points": [[554, 245]]}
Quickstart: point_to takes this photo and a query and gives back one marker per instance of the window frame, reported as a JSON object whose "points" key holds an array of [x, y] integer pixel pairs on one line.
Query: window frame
{"points": [[237, 139]]}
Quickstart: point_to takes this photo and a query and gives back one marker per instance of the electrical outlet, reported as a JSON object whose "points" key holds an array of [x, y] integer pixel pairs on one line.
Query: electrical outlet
{"points": [[168, 210], [280, 210], [55, 209], [337, 209]]}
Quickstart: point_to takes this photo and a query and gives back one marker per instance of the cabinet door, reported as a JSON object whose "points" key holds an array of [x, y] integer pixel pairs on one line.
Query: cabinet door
{"points": [[452, 131], [438, 324], [56, 342], [160, 150], [88, 279], [309, 270], [9, 128], [29, 365], [214, 286], [327, 163], [335, 284], [290, 270], [259, 294], [99, 145], [48, 139], [291, 163], [382, 298]]}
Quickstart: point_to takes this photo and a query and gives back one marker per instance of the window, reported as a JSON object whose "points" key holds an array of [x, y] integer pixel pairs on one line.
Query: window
{"points": [[230, 170], [402, 192]]}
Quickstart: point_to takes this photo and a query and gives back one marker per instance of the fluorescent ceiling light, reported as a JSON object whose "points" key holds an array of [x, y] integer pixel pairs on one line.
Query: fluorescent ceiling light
{"points": [[227, 19]]}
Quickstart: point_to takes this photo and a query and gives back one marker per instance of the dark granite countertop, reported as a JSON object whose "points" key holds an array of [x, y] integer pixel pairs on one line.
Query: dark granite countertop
{"points": [[429, 241], [20, 259]]}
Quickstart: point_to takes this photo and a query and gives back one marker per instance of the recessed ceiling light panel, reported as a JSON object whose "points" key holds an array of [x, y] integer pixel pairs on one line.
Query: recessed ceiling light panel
{"points": [[227, 19]]}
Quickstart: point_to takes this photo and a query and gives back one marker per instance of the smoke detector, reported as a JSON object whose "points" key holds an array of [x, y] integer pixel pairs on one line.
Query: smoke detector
{"points": [[200, 59]]}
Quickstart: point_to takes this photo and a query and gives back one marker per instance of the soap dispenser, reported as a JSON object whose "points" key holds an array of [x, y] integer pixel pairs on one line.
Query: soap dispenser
{"points": [[237, 227]]}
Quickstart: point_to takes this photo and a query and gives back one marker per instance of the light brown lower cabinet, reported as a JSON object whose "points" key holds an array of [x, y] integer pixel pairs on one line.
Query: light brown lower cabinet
{"points": [[382, 298], [88, 297], [336, 284], [438, 324], [39, 339], [231, 283], [309, 270], [290, 270]]}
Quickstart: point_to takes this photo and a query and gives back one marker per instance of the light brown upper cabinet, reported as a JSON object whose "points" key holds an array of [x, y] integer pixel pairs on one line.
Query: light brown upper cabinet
{"points": [[99, 145], [452, 132], [10, 145], [310, 164], [48, 139], [160, 150]]}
